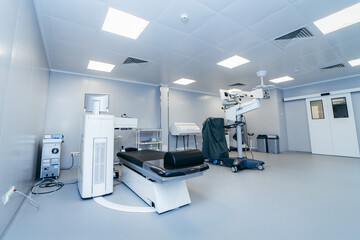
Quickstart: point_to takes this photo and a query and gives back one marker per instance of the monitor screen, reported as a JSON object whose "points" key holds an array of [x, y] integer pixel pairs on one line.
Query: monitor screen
{"points": [[96, 103]]}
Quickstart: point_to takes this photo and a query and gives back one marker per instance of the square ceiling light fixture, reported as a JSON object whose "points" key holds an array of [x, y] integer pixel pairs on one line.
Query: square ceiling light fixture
{"points": [[234, 90], [340, 19], [124, 24], [100, 66], [233, 61], [184, 81], [355, 62], [281, 79]]}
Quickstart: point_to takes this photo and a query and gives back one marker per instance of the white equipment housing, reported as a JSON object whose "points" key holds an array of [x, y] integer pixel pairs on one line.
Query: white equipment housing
{"points": [[95, 173], [125, 122], [177, 129], [163, 196], [230, 114]]}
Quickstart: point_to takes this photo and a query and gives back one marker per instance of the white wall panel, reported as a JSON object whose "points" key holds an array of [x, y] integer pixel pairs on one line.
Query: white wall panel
{"points": [[66, 104], [23, 94], [297, 126], [269, 119], [356, 106]]}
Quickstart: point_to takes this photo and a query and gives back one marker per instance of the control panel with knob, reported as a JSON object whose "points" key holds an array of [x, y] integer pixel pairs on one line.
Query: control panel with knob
{"points": [[50, 158]]}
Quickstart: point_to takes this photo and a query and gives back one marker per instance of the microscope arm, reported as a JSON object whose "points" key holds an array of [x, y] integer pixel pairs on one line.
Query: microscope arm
{"points": [[239, 109]]}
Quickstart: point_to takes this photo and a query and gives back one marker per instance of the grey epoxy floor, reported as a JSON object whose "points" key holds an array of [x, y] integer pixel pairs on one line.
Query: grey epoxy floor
{"points": [[297, 196]]}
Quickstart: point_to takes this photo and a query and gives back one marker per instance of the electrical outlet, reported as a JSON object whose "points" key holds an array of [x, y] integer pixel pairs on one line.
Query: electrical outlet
{"points": [[74, 153], [7, 195]]}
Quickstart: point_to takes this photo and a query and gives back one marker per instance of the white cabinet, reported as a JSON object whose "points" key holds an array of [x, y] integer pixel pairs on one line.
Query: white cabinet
{"points": [[149, 139]]}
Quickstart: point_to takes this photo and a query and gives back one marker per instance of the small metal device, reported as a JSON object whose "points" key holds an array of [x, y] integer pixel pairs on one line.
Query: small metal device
{"points": [[50, 157]]}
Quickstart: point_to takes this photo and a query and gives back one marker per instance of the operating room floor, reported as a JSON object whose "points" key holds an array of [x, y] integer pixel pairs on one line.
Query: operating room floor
{"points": [[297, 196]]}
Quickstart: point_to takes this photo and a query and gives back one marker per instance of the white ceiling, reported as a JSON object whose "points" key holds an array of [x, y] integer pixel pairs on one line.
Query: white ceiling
{"points": [[217, 29]]}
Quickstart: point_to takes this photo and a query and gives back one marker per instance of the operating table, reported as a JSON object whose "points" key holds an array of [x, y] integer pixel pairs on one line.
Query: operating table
{"points": [[159, 177]]}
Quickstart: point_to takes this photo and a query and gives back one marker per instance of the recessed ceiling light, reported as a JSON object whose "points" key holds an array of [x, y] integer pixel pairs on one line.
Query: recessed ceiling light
{"points": [[234, 90], [340, 19], [100, 66], [124, 24], [355, 62], [184, 81], [233, 61], [281, 79]]}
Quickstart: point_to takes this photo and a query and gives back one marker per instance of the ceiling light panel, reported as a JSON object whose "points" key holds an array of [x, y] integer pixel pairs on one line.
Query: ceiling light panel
{"points": [[100, 66], [234, 90], [184, 81], [340, 19], [124, 24], [355, 62], [233, 61], [281, 79]]}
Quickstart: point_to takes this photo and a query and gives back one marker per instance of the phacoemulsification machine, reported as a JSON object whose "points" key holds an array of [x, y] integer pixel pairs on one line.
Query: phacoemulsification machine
{"points": [[95, 174]]}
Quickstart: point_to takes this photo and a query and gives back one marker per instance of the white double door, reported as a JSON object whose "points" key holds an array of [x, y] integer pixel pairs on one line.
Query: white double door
{"points": [[332, 125]]}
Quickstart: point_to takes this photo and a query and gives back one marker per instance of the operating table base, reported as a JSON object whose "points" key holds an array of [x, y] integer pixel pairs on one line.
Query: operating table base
{"points": [[162, 196], [241, 163]]}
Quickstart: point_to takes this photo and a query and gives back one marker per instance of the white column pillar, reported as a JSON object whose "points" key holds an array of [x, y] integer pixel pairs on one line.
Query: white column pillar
{"points": [[164, 116]]}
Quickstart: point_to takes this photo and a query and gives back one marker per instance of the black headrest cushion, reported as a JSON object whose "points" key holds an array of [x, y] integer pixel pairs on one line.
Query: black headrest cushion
{"points": [[184, 158], [130, 149]]}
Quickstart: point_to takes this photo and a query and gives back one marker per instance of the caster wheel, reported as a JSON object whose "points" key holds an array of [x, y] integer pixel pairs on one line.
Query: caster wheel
{"points": [[260, 167], [215, 162], [234, 169], [221, 163]]}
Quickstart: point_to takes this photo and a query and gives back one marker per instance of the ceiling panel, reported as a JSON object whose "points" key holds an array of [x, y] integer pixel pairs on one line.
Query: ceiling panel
{"points": [[349, 51], [191, 46], [146, 52], [314, 10], [71, 30], [301, 47], [196, 12], [56, 28], [216, 4], [241, 41], [149, 10], [67, 63], [279, 23], [247, 13], [342, 36], [66, 47], [171, 59], [161, 36], [263, 52], [111, 42], [197, 69], [322, 58], [217, 29], [213, 55], [68, 10]]}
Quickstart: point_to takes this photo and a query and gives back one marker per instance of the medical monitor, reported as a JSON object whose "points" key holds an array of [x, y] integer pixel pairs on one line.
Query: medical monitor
{"points": [[96, 103]]}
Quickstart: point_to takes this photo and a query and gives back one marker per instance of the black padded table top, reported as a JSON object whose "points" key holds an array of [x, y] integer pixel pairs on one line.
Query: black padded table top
{"points": [[154, 161], [139, 157]]}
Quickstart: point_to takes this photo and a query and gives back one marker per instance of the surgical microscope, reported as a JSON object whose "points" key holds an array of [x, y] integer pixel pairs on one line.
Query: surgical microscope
{"points": [[234, 109]]}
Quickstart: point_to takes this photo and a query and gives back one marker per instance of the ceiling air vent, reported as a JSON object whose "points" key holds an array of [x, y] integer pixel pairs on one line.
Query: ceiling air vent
{"points": [[340, 65], [236, 84], [131, 60], [285, 40]]}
